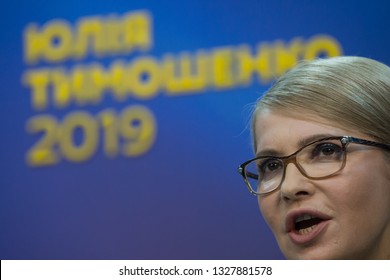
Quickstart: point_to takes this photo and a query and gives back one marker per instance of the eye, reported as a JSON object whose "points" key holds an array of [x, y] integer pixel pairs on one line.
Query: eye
{"points": [[326, 151], [269, 166]]}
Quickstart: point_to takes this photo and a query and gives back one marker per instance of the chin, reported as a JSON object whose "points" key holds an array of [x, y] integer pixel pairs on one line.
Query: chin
{"points": [[314, 253]]}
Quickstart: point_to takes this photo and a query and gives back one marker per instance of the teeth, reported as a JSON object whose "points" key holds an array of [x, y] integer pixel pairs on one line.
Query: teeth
{"points": [[304, 218], [306, 230]]}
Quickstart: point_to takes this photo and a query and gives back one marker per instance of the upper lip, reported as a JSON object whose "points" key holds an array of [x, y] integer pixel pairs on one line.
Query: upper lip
{"points": [[293, 215]]}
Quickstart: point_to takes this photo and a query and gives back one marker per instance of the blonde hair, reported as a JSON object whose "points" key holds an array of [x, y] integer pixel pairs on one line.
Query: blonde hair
{"points": [[352, 92]]}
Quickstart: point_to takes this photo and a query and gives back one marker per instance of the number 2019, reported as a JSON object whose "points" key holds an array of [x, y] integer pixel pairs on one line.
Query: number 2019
{"points": [[131, 133]]}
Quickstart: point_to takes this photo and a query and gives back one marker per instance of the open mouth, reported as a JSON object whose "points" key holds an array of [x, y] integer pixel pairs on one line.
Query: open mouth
{"points": [[306, 223]]}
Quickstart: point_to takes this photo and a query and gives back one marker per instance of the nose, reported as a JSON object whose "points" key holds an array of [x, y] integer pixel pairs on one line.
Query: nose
{"points": [[295, 185]]}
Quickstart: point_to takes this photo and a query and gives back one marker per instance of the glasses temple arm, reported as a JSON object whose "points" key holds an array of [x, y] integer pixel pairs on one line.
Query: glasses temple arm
{"points": [[369, 143]]}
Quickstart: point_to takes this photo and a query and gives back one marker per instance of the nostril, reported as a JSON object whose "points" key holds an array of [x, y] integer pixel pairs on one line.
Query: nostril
{"points": [[297, 195], [301, 193]]}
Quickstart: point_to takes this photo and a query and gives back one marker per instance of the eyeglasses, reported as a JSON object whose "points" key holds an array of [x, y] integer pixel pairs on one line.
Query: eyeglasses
{"points": [[320, 159]]}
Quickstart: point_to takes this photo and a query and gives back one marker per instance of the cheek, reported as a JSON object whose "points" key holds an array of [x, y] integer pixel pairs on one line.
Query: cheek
{"points": [[365, 183], [363, 192], [349, 193], [269, 209]]}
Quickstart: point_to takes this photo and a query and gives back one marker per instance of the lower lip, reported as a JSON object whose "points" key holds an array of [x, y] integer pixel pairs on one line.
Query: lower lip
{"points": [[302, 239]]}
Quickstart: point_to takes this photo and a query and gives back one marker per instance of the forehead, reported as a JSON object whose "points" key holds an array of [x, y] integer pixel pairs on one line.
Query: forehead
{"points": [[278, 131]]}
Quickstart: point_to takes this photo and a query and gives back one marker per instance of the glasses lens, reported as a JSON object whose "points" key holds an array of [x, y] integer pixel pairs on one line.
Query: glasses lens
{"points": [[317, 160], [322, 159], [264, 175]]}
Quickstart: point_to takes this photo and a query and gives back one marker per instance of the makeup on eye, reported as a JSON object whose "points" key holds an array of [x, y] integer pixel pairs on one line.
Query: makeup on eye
{"points": [[326, 150], [269, 165]]}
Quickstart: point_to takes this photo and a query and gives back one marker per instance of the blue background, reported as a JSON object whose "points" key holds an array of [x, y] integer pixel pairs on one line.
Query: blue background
{"points": [[183, 199]]}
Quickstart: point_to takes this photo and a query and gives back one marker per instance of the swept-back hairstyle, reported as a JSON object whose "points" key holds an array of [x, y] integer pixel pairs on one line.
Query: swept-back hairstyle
{"points": [[352, 92]]}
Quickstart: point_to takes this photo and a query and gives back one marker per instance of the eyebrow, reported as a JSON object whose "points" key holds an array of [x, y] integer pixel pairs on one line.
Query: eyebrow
{"points": [[307, 140], [301, 143]]}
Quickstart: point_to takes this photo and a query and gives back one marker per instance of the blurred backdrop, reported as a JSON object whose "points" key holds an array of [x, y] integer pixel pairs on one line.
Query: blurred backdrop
{"points": [[123, 122]]}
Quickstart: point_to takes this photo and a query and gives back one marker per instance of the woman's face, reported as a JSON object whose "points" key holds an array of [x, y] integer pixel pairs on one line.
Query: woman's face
{"points": [[352, 208]]}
